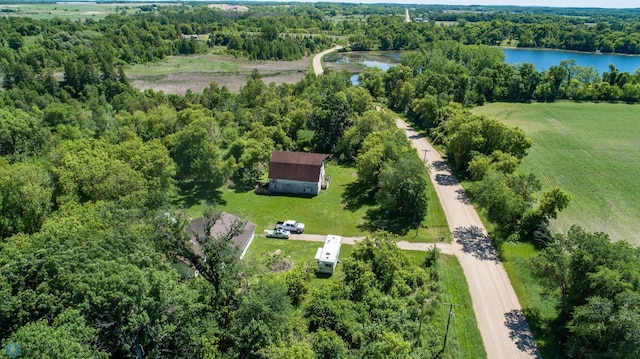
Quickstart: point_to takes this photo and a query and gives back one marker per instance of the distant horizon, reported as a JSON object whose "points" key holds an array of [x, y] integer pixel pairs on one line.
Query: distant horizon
{"points": [[576, 4], [603, 4]]}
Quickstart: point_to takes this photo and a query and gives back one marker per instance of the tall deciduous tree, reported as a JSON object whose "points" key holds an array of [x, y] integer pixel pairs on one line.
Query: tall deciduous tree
{"points": [[196, 153], [83, 170], [22, 135], [403, 188], [598, 287], [26, 191], [329, 121]]}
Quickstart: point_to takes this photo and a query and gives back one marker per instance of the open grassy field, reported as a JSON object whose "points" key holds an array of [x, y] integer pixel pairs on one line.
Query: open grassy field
{"points": [[71, 11], [592, 150], [323, 214]]}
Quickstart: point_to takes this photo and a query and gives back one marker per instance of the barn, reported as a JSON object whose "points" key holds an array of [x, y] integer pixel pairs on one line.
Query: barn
{"points": [[299, 173]]}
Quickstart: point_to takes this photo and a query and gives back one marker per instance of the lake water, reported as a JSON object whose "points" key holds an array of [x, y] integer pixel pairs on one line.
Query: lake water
{"points": [[384, 66], [542, 59]]}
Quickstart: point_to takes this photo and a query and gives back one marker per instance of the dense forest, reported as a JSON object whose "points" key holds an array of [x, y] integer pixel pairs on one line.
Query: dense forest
{"points": [[91, 166]]}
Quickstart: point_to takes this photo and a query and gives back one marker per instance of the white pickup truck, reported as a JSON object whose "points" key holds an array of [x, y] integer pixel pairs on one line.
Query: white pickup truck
{"points": [[278, 233], [291, 225]]}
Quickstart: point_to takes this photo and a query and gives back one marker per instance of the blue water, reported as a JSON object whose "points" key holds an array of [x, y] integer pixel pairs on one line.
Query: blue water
{"points": [[384, 66], [544, 59]]}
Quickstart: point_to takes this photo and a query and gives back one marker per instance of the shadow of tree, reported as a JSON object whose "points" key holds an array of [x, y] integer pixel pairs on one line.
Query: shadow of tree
{"points": [[548, 331], [462, 196], [446, 179], [440, 166], [353, 198], [191, 193], [476, 243], [520, 333], [377, 219]]}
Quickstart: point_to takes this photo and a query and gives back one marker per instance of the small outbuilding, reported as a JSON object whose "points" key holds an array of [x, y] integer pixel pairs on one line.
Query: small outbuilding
{"points": [[223, 225], [328, 255], [299, 173]]}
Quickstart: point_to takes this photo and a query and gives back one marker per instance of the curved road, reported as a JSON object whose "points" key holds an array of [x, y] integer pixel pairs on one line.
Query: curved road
{"points": [[502, 325], [317, 60]]}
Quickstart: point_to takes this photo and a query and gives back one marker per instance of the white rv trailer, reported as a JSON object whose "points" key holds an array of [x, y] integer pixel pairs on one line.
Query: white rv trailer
{"points": [[327, 256]]}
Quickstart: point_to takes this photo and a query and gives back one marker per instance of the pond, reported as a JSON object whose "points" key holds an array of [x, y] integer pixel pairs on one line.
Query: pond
{"points": [[542, 59], [356, 60]]}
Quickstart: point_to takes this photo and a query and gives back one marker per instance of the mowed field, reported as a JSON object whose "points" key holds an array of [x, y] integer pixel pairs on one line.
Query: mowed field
{"points": [[592, 150]]}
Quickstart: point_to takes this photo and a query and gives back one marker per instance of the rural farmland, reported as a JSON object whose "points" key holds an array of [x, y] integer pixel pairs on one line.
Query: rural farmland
{"points": [[590, 149]]}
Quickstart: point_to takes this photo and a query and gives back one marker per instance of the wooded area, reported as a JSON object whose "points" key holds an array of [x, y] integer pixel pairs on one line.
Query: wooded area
{"points": [[92, 169]]}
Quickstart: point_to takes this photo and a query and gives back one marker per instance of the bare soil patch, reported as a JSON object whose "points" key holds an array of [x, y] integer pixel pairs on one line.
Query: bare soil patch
{"points": [[228, 7]]}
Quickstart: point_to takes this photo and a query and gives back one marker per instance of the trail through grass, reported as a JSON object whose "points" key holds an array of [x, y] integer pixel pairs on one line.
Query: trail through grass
{"points": [[590, 150]]}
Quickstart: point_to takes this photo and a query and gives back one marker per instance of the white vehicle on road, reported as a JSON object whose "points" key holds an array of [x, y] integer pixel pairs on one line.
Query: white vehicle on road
{"points": [[291, 225], [278, 233]]}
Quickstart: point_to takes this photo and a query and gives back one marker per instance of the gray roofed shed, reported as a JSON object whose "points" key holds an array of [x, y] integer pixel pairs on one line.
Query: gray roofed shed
{"points": [[242, 240]]}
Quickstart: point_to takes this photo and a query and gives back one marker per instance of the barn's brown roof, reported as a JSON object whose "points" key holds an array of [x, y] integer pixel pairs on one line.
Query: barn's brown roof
{"points": [[296, 166]]}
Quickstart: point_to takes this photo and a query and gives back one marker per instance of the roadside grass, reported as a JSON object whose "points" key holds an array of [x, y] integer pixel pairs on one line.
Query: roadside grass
{"points": [[591, 150], [323, 214], [537, 304], [464, 340], [435, 224]]}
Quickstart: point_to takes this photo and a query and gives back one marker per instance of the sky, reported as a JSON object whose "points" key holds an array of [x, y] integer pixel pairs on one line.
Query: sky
{"points": [[621, 4]]}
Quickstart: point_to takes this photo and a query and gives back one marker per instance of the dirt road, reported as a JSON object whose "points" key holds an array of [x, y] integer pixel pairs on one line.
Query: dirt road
{"points": [[317, 60], [444, 247], [502, 325]]}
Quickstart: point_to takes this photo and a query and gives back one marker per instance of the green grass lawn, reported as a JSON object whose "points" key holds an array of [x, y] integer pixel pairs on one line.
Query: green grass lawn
{"points": [[591, 150], [464, 340], [323, 214]]}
